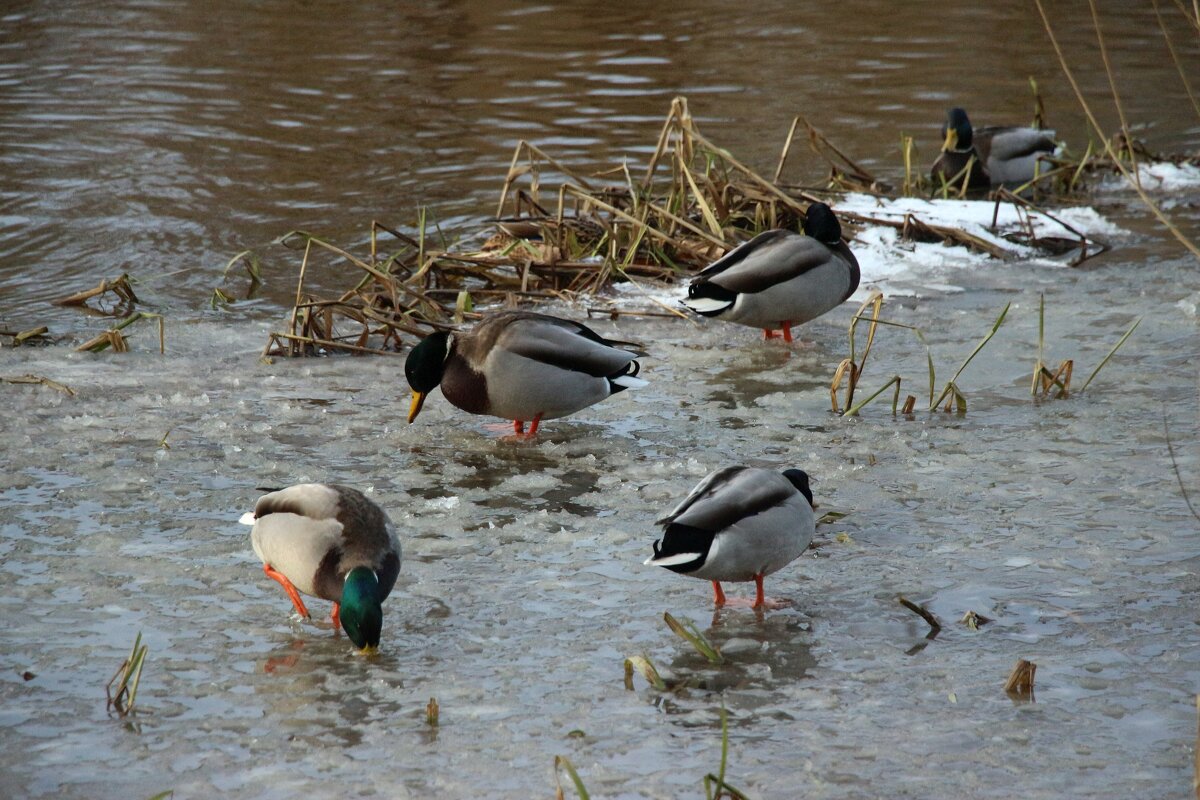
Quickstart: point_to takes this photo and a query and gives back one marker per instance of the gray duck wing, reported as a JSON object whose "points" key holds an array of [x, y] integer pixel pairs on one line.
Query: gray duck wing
{"points": [[729, 495], [1009, 142], [565, 344], [768, 259]]}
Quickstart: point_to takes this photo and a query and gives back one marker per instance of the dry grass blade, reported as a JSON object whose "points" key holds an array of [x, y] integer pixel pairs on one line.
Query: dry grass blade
{"points": [[894, 384], [38, 379], [1175, 465], [850, 366], [952, 386], [1116, 161], [1111, 353], [121, 287], [642, 664], [1175, 58], [115, 339], [695, 638], [23, 337]]}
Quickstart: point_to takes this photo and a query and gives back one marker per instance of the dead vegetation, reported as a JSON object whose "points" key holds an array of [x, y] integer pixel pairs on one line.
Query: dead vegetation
{"points": [[564, 235]]}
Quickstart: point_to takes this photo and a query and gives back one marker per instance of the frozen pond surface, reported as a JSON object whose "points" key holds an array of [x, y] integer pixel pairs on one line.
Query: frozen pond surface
{"points": [[157, 142], [523, 588]]}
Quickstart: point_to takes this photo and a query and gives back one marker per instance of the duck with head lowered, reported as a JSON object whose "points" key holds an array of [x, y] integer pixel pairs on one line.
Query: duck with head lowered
{"points": [[521, 366], [997, 155], [738, 524], [779, 278], [329, 541]]}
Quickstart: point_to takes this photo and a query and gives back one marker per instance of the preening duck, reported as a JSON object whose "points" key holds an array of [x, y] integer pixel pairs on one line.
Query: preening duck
{"points": [[738, 524], [521, 366], [779, 278], [1004, 155], [329, 541]]}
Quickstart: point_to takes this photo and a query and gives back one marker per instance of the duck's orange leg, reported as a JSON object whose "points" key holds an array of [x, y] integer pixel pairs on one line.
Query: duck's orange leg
{"points": [[787, 331], [769, 334], [533, 426], [518, 427], [759, 600], [718, 595], [289, 588], [336, 618]]}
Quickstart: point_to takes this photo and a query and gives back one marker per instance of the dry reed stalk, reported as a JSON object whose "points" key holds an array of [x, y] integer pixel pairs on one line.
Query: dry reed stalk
{"points": [[1175, 58], [121, 287], [1087, 110], [935, 627], [38, 379]]}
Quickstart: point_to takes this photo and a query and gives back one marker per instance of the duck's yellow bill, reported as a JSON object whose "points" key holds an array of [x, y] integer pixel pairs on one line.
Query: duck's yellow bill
{"points": [[418, 400], [951, 139]]}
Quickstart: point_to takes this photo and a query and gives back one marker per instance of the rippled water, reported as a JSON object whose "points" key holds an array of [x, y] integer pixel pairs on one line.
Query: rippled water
{"points": [[161, 138]]}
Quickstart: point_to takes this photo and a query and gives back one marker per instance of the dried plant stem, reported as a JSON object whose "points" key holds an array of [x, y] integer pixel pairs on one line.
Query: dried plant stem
{"points": [[935, 627], [1019, 685], [1175, 58], [1112, 352], [1087, 110], [1175, 465], [1112, 85]]}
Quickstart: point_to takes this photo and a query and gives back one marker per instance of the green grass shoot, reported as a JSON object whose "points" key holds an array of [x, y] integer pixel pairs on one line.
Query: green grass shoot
{"points": [[127, 679], [715, 786], [564, 763]]}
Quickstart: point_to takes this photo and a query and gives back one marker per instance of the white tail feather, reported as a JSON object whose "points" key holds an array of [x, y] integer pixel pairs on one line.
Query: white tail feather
{"points": [[247, 518], [672, 561], [630, 382], [705, 305]]}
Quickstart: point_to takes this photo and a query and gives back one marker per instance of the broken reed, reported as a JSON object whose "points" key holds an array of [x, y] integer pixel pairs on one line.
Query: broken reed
{"points": [[1044, 381], [563, 235], [715, 785], [852, 370], [127, 678], [118, 341]]}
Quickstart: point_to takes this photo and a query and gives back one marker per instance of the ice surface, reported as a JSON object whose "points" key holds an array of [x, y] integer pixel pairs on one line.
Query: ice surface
{"points": [[523, 588]]}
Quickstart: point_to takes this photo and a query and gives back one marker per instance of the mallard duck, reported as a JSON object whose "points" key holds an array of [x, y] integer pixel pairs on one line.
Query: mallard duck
{"points": [[521, 366], [779, 278], [329, 541], [738, 524], [1004, 156]]}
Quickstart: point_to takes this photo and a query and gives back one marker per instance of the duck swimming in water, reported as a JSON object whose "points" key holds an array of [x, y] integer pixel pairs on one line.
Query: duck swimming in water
{"points": [[1003, 155]]}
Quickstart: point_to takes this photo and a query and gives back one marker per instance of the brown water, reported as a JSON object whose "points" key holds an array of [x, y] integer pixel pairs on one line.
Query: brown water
{"points": [[161, 138]]}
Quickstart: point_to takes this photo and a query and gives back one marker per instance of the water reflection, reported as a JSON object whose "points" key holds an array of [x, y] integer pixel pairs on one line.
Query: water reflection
{"points": [[764, 653]]}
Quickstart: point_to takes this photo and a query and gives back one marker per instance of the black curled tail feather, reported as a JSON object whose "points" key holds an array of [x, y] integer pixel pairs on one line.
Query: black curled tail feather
{"points": [[630, 370]]}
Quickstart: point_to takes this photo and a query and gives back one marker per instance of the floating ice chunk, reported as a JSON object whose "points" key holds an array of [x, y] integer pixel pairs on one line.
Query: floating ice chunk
{"points": [[442, 503], [1167, 177]]}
